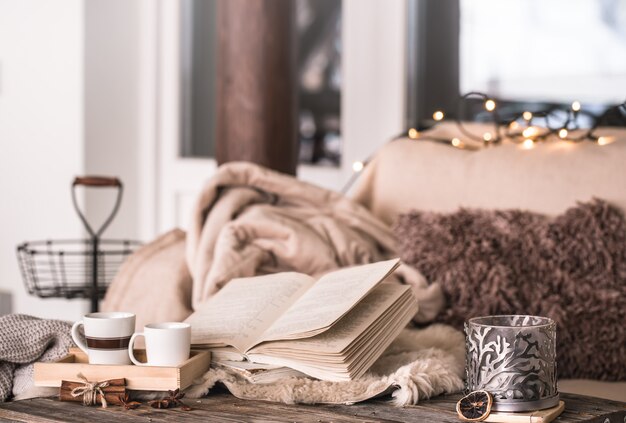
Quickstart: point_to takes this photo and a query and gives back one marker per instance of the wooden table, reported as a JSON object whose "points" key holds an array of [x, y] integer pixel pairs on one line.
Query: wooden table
{"points": [[224, 407]]}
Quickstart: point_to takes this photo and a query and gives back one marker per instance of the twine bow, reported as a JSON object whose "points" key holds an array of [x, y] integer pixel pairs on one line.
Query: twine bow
{"points": [[90, 391]]}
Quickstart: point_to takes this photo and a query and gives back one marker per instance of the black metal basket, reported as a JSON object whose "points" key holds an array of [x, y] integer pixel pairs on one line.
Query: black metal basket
{"points": [[76, 268]]}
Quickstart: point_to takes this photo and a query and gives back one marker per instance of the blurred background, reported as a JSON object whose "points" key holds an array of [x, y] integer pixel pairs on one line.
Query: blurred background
{"points": [[130, 88]]}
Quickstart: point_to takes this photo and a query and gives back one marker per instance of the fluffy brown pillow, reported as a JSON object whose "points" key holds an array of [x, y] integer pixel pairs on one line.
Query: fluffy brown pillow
{"points": [[571, 268]]}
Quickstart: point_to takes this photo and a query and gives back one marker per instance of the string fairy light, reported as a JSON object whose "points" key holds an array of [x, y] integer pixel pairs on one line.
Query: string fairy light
{"points": [[520, 128], [528, 144], [357, 166], [527, 133], [438, 115]]}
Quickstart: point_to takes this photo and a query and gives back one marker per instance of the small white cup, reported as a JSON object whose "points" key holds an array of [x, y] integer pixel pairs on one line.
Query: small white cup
{"points": [[107, 336], [167, 344]]}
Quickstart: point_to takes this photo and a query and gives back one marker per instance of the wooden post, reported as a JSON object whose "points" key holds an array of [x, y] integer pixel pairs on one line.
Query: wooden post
{"points": [[257, 114]]}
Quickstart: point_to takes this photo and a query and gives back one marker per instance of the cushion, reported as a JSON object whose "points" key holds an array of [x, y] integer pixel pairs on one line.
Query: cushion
{"points": [[418, 174], [571, 268], [154, 282]]}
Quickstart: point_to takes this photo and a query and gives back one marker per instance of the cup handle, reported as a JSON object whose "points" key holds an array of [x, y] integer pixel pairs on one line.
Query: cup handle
{"points": [[76, 337], [131, 344]]}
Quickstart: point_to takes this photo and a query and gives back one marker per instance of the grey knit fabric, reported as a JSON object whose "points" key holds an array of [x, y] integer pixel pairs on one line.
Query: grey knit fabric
{"points": [[24, 340]]}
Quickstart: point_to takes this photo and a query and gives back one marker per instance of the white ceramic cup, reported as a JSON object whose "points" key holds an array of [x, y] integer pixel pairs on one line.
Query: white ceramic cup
{"points": [[167, 344], [107, 335]]}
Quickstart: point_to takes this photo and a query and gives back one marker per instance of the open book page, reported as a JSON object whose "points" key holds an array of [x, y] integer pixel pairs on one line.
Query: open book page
{"points": [[327, 300], [241, 311], [351, 346], [357, 321]]}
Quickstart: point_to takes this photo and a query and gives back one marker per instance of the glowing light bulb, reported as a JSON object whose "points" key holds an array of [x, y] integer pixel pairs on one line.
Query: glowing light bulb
{"points": [[528, 144], [456, 142], [514, 125], [487, 136], [413, 133], [576, 106], [563, 133], [605, 140], [527, 115], [438, 115], [490, 105], [529, 132], [357, 166]]}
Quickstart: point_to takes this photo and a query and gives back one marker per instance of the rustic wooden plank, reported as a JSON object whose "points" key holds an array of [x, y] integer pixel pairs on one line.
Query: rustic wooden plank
{"points": [[222, 406], [44, 410], [216, 409], [18, 416], [383, 410], [234, 410]]}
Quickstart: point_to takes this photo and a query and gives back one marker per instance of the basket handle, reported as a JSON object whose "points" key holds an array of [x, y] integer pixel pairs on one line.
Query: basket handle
{"points": [[97, 182]]}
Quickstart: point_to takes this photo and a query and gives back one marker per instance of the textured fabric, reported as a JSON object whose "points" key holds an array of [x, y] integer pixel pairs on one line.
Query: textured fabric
{"points": [[418, 174], [24, 340], [419, 364], [571, 268], [249, 221], [154, 282]]}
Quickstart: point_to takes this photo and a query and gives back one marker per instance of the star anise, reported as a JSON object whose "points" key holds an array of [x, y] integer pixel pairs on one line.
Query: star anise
{"points": [[127, 403], [173, 400]]}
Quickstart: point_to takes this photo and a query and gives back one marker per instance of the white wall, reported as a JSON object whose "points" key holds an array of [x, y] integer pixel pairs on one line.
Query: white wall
{"points": [[112, 110], [41, 130]]}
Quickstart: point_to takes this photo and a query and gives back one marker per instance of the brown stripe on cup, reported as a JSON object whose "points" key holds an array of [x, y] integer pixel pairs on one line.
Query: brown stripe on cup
{"points": [[107, 343]]}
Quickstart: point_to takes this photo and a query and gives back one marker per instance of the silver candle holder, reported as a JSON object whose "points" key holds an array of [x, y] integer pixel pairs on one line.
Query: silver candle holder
{"points": [[513, 357]]}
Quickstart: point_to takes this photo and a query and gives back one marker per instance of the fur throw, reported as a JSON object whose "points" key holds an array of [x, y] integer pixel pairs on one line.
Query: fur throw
{"points": [[418, 365], [571, 268]]}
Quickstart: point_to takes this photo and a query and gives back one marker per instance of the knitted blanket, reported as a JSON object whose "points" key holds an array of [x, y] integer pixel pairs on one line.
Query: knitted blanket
{"points": [[24, 340]]}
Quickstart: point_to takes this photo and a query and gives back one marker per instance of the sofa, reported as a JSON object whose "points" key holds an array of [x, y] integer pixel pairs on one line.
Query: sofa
{"points": [[406, 174], [421, 174]]}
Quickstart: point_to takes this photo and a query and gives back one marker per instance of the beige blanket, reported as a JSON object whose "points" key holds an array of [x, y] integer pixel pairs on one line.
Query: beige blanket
{"points": [[248, 221]]}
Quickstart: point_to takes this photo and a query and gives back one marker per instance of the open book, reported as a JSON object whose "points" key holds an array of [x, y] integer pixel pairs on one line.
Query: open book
{"points": [[258, 372], [333, 328]]}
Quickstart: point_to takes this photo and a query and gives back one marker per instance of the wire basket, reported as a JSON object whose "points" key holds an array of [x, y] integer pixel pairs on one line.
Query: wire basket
{"points": [[76, 268], [61, 268]]}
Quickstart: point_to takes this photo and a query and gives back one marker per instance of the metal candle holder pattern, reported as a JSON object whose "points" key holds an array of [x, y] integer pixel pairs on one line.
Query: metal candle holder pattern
{"points": [[513, 357]]}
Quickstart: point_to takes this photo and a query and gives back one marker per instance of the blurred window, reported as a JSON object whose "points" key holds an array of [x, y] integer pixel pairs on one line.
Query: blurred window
{"points": [[556, 50], [530, 54], [318, 24]]}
